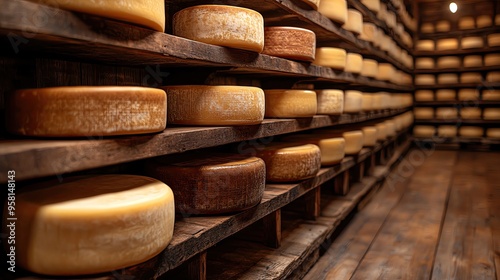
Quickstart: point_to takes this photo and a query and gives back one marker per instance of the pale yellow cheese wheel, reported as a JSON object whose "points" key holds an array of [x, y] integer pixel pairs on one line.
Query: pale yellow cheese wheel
{"points": [[373, 5], [423, 113], [424, 95], [448, 131], [370, 68], [492, 59], [385, 71], [353, 101], [390, 128], [354, 63], [473, 61], [446, 113], [424, 131], [445, 62], [491, 113], [484, 21], [472, 42], [290, 103], [332, 149], [468, 94], [425, 45], [381, 131], [367, 102], [493, 77], [491, 95], [447, 44], [471, 131], [335, 58], [424, 63], [471, 77], [335, 10], [427, 27], [468, 113], [493, 133], [447, 78], [330, 101], [221, 25], [443, 26], [369, 32], [425, 79], [369, 136], [353, 139], [290, 42], [494, 40], [354, 21], [465, 23], [445, 94]]}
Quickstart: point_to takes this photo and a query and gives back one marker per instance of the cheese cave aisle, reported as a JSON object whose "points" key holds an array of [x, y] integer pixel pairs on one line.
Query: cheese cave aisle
{"points": [[264, 139]]}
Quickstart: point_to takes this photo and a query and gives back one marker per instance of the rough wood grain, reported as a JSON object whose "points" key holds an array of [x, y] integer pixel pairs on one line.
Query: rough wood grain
{"points": [[272, 229]]}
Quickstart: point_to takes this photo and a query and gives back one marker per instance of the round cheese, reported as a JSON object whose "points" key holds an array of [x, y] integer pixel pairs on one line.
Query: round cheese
{"points": [[369, 32], [491, 114], [425, 45], [353, 101], [466, 23], [473, 61], [287, 162], [492, 59], [353, 139], [312, 3], [445, 94], [424, 95], [147, 13], [493, 76], [290, 42], [491, 95], [448, 131], [369, 136], [468, 113], [385, 71], [381, 131], [471, 131], [290, 103], [443, 26], [331, 57], [330, 102], [472, 42], [89, 225], [471, 77], [373, 5], [354, 63], [370, 68], [425, 79], [221, 25], [335, 10], [427, 27], [445, 62], [424, 63], [446, 113], [468, 94], [86, 111], [493, 133], [424, 131], [390, 128], [483, 21], [494, 40], [422, 113], [447, 78], [367, 102], [447, 44], [212, 183], [332, 149], [354, 21], [215, 105]]}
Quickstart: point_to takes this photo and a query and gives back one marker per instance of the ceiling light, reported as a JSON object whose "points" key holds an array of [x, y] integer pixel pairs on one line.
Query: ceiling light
{"points": [[453, 7]]}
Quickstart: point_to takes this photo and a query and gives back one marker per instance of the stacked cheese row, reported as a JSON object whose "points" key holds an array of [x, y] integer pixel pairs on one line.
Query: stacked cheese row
{"points": [[452, 131], [464, 94], [453, 78], [453, 113], [452, 62], [469, 42], [464, 23]]}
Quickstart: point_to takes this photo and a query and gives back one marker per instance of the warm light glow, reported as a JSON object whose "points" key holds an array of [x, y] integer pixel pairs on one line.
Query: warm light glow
{"points": [[453, 7]]}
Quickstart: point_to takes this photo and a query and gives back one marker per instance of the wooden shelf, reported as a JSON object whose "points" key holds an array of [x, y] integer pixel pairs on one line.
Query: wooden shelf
{"points": [[458, 70], [460, 33], [458, 52], [472, 85], [457, 103], [459, 122], [458, 140]]}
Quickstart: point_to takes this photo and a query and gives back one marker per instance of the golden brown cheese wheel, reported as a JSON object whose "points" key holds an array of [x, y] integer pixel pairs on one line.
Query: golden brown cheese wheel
{"points": [[290, 42]]}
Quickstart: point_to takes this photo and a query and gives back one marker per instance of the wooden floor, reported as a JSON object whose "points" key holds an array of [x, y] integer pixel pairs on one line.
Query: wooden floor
{"points": [[437, 217]]}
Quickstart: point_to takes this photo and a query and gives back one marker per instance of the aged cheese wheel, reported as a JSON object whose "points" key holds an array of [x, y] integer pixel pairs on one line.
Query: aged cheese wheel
{"points": [[445, 62], [493, 76], [491, 114], [424, 131], [468, 94], [290, 42], [491, 95], [471, 131], [212, 183], [425, 79], [473, 61], [370, 68], [468, 113], [425, 45], [385, 71], [381, 131], [331, 57], [377, 100], [335, 10], [354, 21], [369, 32], [286, 162], [471, 77], [447, 78], [373, 5], [312, 3], [332, 148], [472, 42], [369, 136], [353, 139], [483, 21], [221, 25], [215, 105], [492, 59], [466, 23], [330, 101], [147, 13], [89, 225], [447, 44], [448, 131], [446, 113], [354, 63], [353, 101], [424, 63], [427, 27], [445, 94], [367, 102], [290, 103], [422, 113], [494, 40], [493, 133], [443, 26], [424, 95], [86, 111], [390, 128]]}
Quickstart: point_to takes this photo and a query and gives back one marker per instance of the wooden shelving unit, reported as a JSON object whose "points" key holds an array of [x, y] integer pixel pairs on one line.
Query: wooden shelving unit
{"points": [[470, 85], [458, 121], [460, 33], [458, 70], [458, 103], [458, 52]]}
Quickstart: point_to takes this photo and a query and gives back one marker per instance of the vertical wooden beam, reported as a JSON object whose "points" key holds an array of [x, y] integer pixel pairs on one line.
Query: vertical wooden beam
{"points": [[197, 267], [313, 203], [341, 186], [272, 229], [373, 163]]}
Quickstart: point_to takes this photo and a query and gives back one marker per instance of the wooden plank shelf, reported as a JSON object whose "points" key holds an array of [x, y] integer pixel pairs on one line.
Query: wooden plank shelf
{"points": [[458, 103], [486, 85], [459, 121], [461, 33], [482, 144], [457, 52], [458, 70]]}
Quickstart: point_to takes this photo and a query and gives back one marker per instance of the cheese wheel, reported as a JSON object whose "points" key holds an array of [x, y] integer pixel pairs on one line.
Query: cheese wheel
{"points": [[445, 62], [312, 3], [335, 10], [472, 42], [330, 101], [212, 183], [427, 27], [445, 94], [492, 59], [290, 103], [290, 42], [447, 44], [448, 131], [378, 101], [215, 105], [399, 123], [385, 71], [473, 61], [369, 32], [494, 40], [468, 94], [424, 63], [468, 113], [353, 101], [86, 111], [89, 225], [354, 21], [493, 76], [443, 26], [483, 21], [491, 95], [221, 25], [471, 77], [423, 113], [370, 68], [354, 63], [381, 131], [497, 19], [424, 95], [447, 78], [424, 131], [425, 79], [471, 131], [493, 133], [331, 57], [425, 45], [466, 23], [332, 149], [491, 114], [367, 102], [353, 139], [446, 113], [390, 128], [147, 13], [369, 136], [287, 162], [373, 5]]}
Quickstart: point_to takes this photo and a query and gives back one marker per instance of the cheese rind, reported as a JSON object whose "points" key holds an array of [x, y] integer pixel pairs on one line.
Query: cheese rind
{"points": [[427, 27], [492, 59], [373, 5], [468, 94], [472, 42], [424, 131], [335, 10], [443, 26], [445, 94], [494, 40], [215, 105], [369, 32], [473, 61], [491, 114], [353, 139], [370, 68], [493, 133], [447, 78], [483, 21], [369, 136], [312, 3], [330, 101], [221, 25], [290, 103], [471, 77], [381, 131], [332, 148], [425, 79], [465, 23], [468, 113], [424, 63], [86, 111], [385, 71], [367, 102], [422, 113], [447, 44], [89, 225], [290, 42], [354, 22], [424, 95], [353, 101], [471, 131], [491, 95], [335, 58], [390, 128], [448, 62], [446, 113], [425, 45], [354, 63], [493, 76], [448, 131]]}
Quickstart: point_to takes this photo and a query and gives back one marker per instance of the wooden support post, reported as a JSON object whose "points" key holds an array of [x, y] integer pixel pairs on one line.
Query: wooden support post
{"points": [[197, 267], [342, 183], [373, 163], [272, 229], [313, 203], [357, 172]]}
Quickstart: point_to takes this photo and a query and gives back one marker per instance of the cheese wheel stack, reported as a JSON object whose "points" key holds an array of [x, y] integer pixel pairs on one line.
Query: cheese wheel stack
{"points": [[353, 139], [290, 42]]}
